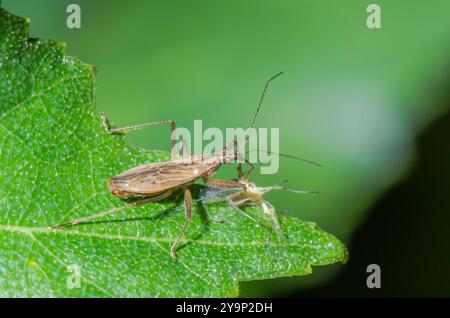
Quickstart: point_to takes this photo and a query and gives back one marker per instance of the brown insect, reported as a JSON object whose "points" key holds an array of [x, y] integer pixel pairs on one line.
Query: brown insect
{"points": [[156, 181]]}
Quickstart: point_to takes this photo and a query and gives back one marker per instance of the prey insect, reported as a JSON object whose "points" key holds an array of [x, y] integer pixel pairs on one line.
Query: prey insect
{"points": [[242, 192], [154, 182]]}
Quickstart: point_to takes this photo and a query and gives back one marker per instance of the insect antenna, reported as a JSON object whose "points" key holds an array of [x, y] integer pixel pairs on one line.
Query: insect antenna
{"points": [[286, 156], [252, 125]]}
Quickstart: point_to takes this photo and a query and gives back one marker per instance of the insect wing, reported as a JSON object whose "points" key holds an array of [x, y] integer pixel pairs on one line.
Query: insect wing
{"points": [[210, 194], [156, 177]]}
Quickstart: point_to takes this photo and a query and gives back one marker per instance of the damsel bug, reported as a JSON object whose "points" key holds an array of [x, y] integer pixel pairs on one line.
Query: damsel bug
{"points": [[242, 192], [156, 181]]}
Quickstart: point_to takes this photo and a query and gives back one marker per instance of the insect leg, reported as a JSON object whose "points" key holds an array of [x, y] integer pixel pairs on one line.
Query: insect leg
{"points": [[188, 208], [250, 170], [124, 130], [241, 173], [224, 184], [184, 151], [113, 210], [236, 207]]}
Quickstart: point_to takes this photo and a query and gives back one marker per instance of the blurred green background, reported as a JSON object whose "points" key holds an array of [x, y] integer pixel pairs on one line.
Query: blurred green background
{"points": [[351, 98]]}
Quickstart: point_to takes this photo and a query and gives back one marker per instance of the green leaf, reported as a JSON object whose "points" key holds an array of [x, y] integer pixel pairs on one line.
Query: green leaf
{"points": [[55, 158]]}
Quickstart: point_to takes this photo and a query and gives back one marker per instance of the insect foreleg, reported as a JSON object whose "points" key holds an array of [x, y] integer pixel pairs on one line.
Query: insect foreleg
{"points": [[224, 184], [185, 149], [124, 130], [113, 210], [188, 208]]}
